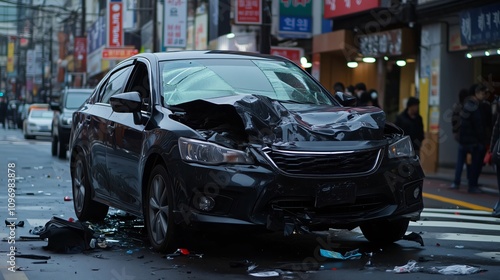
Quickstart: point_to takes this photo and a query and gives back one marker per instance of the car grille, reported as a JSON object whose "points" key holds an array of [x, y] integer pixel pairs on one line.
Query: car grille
{"points": [[348, 163]]}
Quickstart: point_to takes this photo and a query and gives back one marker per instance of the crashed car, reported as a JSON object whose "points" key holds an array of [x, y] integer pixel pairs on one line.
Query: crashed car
{"points": [[193, 138]]}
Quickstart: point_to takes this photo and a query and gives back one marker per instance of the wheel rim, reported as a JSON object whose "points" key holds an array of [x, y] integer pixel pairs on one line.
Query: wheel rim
{"points": [[79, 186], [158, 209]]}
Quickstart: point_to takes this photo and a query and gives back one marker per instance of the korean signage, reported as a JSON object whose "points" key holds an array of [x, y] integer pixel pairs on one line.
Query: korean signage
{"points": [[248, 12], [381, 43], [336, 8], [80, 54], [96, 35], [175, 24], [294, 54], [295, 19], [10, 57], [480, 25], [201, 32], [115, 24], [118, 53]]}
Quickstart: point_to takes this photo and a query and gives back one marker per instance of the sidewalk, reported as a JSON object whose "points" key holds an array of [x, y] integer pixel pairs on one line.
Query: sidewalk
{"points": [[488, 178]]}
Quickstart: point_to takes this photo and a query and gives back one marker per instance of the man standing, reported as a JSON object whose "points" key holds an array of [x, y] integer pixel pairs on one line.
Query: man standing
{"points": [[411, 122], [473, 134], [3, 111]]}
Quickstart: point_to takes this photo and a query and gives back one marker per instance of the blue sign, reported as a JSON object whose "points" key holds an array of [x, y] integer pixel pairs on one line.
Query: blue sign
{"points": [[295, 27], [96, 35], [480, 25]]}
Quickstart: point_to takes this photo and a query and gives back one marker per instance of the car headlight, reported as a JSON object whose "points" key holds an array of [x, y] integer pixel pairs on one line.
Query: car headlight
{"points": [[210, 153], [402, 148], [66, 120]]}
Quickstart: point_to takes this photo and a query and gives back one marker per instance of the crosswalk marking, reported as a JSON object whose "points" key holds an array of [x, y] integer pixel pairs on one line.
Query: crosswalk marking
{"points": [[460, 217], [462, 237]]}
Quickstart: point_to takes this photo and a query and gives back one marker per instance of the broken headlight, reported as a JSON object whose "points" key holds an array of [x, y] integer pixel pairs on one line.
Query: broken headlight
{"points": [[402, 148], [210, 153]]}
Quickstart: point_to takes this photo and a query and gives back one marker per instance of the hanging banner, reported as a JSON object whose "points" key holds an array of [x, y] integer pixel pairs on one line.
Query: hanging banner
{"points": [[175, 24], [10, 57], [201, 31], [80, 54], [96, 35], [115, 24], [248, 12], [295, 19], [337, 8]]}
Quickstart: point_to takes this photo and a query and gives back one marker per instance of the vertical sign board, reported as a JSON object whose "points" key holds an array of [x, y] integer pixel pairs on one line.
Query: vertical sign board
{"points": [[115, 24], [175, 24], [10, 57], [248, 12], [295, 18], [201, 31], [337, 8], [80, 54], [96, 38]]}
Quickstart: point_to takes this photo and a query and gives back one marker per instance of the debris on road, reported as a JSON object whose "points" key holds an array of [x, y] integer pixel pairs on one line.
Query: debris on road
{"points": [[67, 198], [66, 237], [183, 252], [354, 254], [411, 266], [14, 224], [33, 257], [414, 237]]}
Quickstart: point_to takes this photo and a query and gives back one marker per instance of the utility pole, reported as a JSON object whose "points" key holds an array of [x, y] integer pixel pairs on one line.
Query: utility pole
{"points": [[265, 28], [83, 22], [155, 25], [50, 61]]}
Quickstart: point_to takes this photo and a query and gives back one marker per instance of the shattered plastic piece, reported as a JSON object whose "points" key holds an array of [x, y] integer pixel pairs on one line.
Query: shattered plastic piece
{"points": [[14, 224], [130, 252], [411, 266], [67, 198], [459, 246], [265, 274], [36, 230], [354, 254], [455, 270], [414, 237], [183, 252]]}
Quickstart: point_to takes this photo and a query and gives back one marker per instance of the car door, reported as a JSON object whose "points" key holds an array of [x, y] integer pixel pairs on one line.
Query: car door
{"points": [[126, 138], [97, 117]]}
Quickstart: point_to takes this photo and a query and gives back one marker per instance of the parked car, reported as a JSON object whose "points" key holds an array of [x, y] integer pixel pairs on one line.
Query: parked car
{"points": [[38, 123], [69, 100], [193, 138], [22, 112]]}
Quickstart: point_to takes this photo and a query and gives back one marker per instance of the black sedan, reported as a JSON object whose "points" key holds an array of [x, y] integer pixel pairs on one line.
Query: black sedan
{"points": [[194, 138]]}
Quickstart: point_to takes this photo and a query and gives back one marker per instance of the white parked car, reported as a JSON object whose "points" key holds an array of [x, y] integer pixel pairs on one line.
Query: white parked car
{"points": [[38, 123]]}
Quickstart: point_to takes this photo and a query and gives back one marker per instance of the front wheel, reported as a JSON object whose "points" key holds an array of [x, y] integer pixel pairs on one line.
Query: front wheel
{"points": [[86, 209], [159, 211], [385, 232]]}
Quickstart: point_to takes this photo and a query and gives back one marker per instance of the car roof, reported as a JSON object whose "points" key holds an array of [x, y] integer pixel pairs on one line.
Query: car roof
{"points": [[212, 54]]}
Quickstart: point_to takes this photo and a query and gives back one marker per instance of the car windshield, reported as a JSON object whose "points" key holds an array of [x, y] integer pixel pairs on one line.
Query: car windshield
{"points": [[75, 99], [188, 80], [40, 114]]}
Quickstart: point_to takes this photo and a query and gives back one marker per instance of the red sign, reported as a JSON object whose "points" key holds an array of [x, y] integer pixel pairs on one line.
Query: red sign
{"points": [[115, 24], [248, 12], [80, 54], [118, 53], [294, 54], [336, 8]]}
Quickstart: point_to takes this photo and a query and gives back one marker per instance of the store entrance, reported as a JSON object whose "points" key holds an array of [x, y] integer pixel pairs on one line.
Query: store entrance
{"points": [[392, 85]]}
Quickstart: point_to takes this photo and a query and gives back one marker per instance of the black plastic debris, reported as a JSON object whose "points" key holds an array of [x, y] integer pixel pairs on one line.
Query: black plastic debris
{"points": [[183, 252], [66, 237], [14, 224], [33, 257], [414, 237], [36, 230]]}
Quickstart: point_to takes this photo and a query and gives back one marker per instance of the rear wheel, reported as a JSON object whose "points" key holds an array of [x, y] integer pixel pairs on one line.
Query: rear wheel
{"points": [[54, 146], [85, 208], [162, 231], [385, 232], [62, 150]]}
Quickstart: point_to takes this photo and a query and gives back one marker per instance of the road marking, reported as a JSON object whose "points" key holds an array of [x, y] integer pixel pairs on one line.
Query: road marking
{"points": [[457, 211], [457, 224], [456, 202], [460, 217], [462, 237]]}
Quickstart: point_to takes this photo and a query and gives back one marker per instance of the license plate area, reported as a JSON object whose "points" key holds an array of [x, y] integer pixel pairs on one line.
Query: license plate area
{"points": [[335, 194]]}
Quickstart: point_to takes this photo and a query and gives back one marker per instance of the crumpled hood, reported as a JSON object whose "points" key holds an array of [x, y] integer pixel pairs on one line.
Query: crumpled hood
{"points": [[269, 121]]}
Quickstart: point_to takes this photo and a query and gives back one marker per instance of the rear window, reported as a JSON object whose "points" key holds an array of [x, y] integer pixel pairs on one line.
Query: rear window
{"points": [[75, 99], [42, 114]]}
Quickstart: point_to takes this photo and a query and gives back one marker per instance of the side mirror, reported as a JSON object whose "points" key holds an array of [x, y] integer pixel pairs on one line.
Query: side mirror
{"points": [[128, 102]]}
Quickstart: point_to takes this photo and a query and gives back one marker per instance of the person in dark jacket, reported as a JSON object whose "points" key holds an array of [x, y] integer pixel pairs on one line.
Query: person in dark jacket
{"points": [[461, 154], [412, 124], [494, 138], [473, 134], [3, 111]]}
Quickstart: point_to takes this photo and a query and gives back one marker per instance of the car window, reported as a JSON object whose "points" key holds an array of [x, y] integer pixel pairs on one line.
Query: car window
{"points": [[115, 84], [187, 80], [140, 82], [75, 99], [42, 114]]}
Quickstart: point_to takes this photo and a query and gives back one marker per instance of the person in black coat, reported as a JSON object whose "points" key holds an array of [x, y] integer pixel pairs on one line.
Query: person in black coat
{"points": [[412, 124], [3, 111]]}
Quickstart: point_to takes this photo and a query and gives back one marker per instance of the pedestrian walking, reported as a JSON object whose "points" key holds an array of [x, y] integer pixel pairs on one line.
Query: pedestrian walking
{"points": [[461, 153], [473, 134], [3, 111], [412, 124], [494, 144]]}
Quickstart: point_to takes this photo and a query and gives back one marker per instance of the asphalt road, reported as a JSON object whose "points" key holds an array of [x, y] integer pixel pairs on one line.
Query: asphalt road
{"points": [[456, 229]]}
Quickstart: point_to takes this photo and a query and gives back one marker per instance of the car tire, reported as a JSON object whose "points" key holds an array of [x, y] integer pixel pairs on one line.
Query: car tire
{"points": [[158, 213], [86, 209], [385, 232], [54, 146], [62, 150]]}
